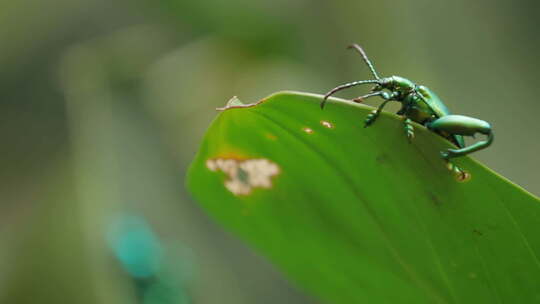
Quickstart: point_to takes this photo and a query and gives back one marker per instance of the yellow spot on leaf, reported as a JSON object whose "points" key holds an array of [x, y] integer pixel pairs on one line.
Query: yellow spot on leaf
{"points": [[244, 175], [271, 136]]}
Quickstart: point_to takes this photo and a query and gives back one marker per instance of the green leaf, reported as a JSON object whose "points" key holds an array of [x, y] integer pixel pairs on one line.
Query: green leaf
{"points": [[360, 215]]}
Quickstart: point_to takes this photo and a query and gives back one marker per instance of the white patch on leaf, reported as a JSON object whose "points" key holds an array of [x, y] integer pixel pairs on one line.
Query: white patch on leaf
{"points": [[307, 130], [327, 124], [244, 175]]}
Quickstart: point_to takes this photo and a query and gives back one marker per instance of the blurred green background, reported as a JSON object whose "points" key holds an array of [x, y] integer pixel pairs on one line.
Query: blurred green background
{"points": [[104, 104]]}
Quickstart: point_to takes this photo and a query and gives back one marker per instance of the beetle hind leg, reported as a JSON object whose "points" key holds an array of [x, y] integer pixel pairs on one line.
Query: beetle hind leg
{"points": [[466, 126], [450, 153]]}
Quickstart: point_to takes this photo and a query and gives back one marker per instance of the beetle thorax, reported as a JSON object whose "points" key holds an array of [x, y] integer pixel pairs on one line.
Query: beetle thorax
{"points": [[398, 83]]}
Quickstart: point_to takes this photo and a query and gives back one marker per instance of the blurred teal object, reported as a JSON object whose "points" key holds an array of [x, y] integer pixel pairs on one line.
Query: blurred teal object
{"points": [[135, 245], [156, 278]]}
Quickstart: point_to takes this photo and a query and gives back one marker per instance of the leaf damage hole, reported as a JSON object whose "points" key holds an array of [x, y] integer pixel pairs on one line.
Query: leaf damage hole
{"points": [[327, 124], [244, 175]]}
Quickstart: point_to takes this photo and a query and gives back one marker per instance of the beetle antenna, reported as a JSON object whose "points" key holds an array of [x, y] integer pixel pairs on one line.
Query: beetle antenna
{"points": [[365, 57], [363, 97], [345, 86]]}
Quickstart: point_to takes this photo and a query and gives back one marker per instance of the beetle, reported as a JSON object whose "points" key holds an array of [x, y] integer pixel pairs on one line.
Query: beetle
{"points": [[421, 105]]}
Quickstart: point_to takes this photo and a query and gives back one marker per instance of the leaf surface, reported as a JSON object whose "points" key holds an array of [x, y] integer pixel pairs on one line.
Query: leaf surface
{"points": [[360, 215]]}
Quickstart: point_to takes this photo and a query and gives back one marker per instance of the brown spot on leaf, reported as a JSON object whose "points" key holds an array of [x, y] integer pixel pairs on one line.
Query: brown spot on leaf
{"points": [[460, 174], [463, 176], [434, 198], [477, 232], [382, 158]]}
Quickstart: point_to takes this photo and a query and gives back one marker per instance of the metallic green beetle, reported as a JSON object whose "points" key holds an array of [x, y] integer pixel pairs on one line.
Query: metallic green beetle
{"points": [[421, 105]]}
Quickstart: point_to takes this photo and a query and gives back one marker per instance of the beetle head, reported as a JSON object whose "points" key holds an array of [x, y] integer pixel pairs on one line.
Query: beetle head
{"points": [[383, 83]]}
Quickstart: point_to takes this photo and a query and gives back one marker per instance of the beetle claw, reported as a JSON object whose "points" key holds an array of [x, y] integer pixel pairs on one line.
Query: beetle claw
{"points": [[410, 136], [409, 129]]}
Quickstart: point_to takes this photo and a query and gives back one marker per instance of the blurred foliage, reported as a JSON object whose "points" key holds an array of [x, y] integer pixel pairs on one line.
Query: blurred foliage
{"points": [[105, 102]]}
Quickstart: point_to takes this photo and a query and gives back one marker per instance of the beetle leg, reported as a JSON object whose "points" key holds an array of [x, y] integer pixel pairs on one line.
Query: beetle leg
{"points": [[462, 125], [374, 114], [409, 129]]}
